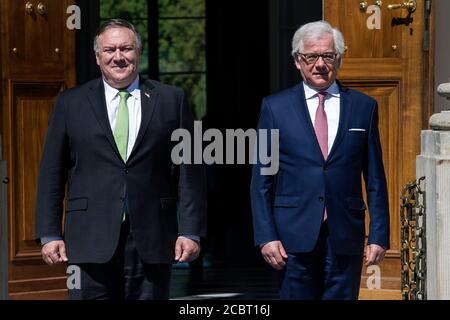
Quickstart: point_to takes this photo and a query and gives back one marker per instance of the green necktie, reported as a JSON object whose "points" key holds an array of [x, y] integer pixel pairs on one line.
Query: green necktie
{"points": [[121, 129]]}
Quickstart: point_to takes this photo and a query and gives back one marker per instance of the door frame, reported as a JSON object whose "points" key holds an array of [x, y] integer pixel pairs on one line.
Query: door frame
{"points": [[3, 229]]}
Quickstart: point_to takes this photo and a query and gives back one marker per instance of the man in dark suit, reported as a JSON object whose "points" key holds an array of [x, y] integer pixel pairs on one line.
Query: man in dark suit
{"points": [[109, 140], [309, 217]]}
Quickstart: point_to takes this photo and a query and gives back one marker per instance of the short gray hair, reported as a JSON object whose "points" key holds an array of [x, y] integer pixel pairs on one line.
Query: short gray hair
{"points": [[315, 31], [117, 23]]}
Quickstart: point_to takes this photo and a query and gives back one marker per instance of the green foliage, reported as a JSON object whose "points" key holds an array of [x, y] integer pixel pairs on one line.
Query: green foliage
{"points": [[184, 8], [182, 45], [182, 49], [194, 85], [125, 9], [181, 42]]}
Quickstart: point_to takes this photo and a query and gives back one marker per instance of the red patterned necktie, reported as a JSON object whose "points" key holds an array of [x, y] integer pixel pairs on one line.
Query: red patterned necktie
{"points": [[321, 129], [321, 125]]}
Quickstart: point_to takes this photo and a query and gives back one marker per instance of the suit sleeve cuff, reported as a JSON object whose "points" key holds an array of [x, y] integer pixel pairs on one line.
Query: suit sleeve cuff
{"points": [[191, 237], [45, 240]]}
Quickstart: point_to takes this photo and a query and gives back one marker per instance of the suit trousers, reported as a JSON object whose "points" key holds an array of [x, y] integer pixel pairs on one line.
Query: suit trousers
{"points": [[321, 274], [124, 277]]}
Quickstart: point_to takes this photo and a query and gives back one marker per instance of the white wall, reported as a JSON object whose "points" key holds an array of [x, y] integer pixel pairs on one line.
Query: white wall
{"points": [[442, 50]]}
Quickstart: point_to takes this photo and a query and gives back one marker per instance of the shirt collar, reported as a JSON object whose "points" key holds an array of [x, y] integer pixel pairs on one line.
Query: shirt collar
{"points": [[111, 93], [310, 92]]}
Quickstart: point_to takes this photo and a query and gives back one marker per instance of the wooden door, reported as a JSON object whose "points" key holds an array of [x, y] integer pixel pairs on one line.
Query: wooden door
{"points": [[37, 56], [392, 64]]}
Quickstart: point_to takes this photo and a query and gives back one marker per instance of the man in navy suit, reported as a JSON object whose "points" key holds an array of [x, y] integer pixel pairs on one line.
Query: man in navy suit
{"points": [[109, 141], [309, 217]]}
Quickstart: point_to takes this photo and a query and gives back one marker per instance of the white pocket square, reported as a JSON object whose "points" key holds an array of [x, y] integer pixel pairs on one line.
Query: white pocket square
{"points": [[356, 129]]}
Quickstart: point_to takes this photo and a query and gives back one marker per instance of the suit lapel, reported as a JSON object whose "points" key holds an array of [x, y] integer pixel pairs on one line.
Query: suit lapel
{"points": [[149, 97], [96, 98], [301, 109]]}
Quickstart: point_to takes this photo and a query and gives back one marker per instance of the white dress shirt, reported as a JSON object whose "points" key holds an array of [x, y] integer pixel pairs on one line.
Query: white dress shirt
{"points": [[332, 108], [134, 110]]}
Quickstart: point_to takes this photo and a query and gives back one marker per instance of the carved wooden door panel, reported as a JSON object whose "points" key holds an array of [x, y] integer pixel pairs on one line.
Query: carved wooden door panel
{"points": [[387, 57], [37, 53]]}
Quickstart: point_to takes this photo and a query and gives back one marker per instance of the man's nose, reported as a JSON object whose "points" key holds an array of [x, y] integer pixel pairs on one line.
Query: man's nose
{"points": [[118, 54], [320, 63]]}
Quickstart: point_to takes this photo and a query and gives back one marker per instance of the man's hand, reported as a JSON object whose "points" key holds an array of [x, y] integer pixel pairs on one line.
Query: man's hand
{"points": [[54, 252], [374, 254], [186, 250], [274, 254]]}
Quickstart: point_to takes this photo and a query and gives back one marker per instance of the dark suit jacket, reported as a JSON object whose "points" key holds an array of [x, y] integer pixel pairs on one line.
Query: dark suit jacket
{"points": [[289, 205], [80, 150]]}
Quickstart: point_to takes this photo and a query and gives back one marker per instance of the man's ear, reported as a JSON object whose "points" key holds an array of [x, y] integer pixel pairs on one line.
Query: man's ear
{"points": [[97, 58], [297, 63]]}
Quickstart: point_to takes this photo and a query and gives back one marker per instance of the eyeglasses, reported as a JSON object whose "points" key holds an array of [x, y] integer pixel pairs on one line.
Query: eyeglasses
{"points": [[310, 58]]}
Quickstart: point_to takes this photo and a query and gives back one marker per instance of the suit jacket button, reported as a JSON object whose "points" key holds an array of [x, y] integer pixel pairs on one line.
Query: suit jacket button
{"points": [[325, 167], [321, 199], [125, 170]]}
